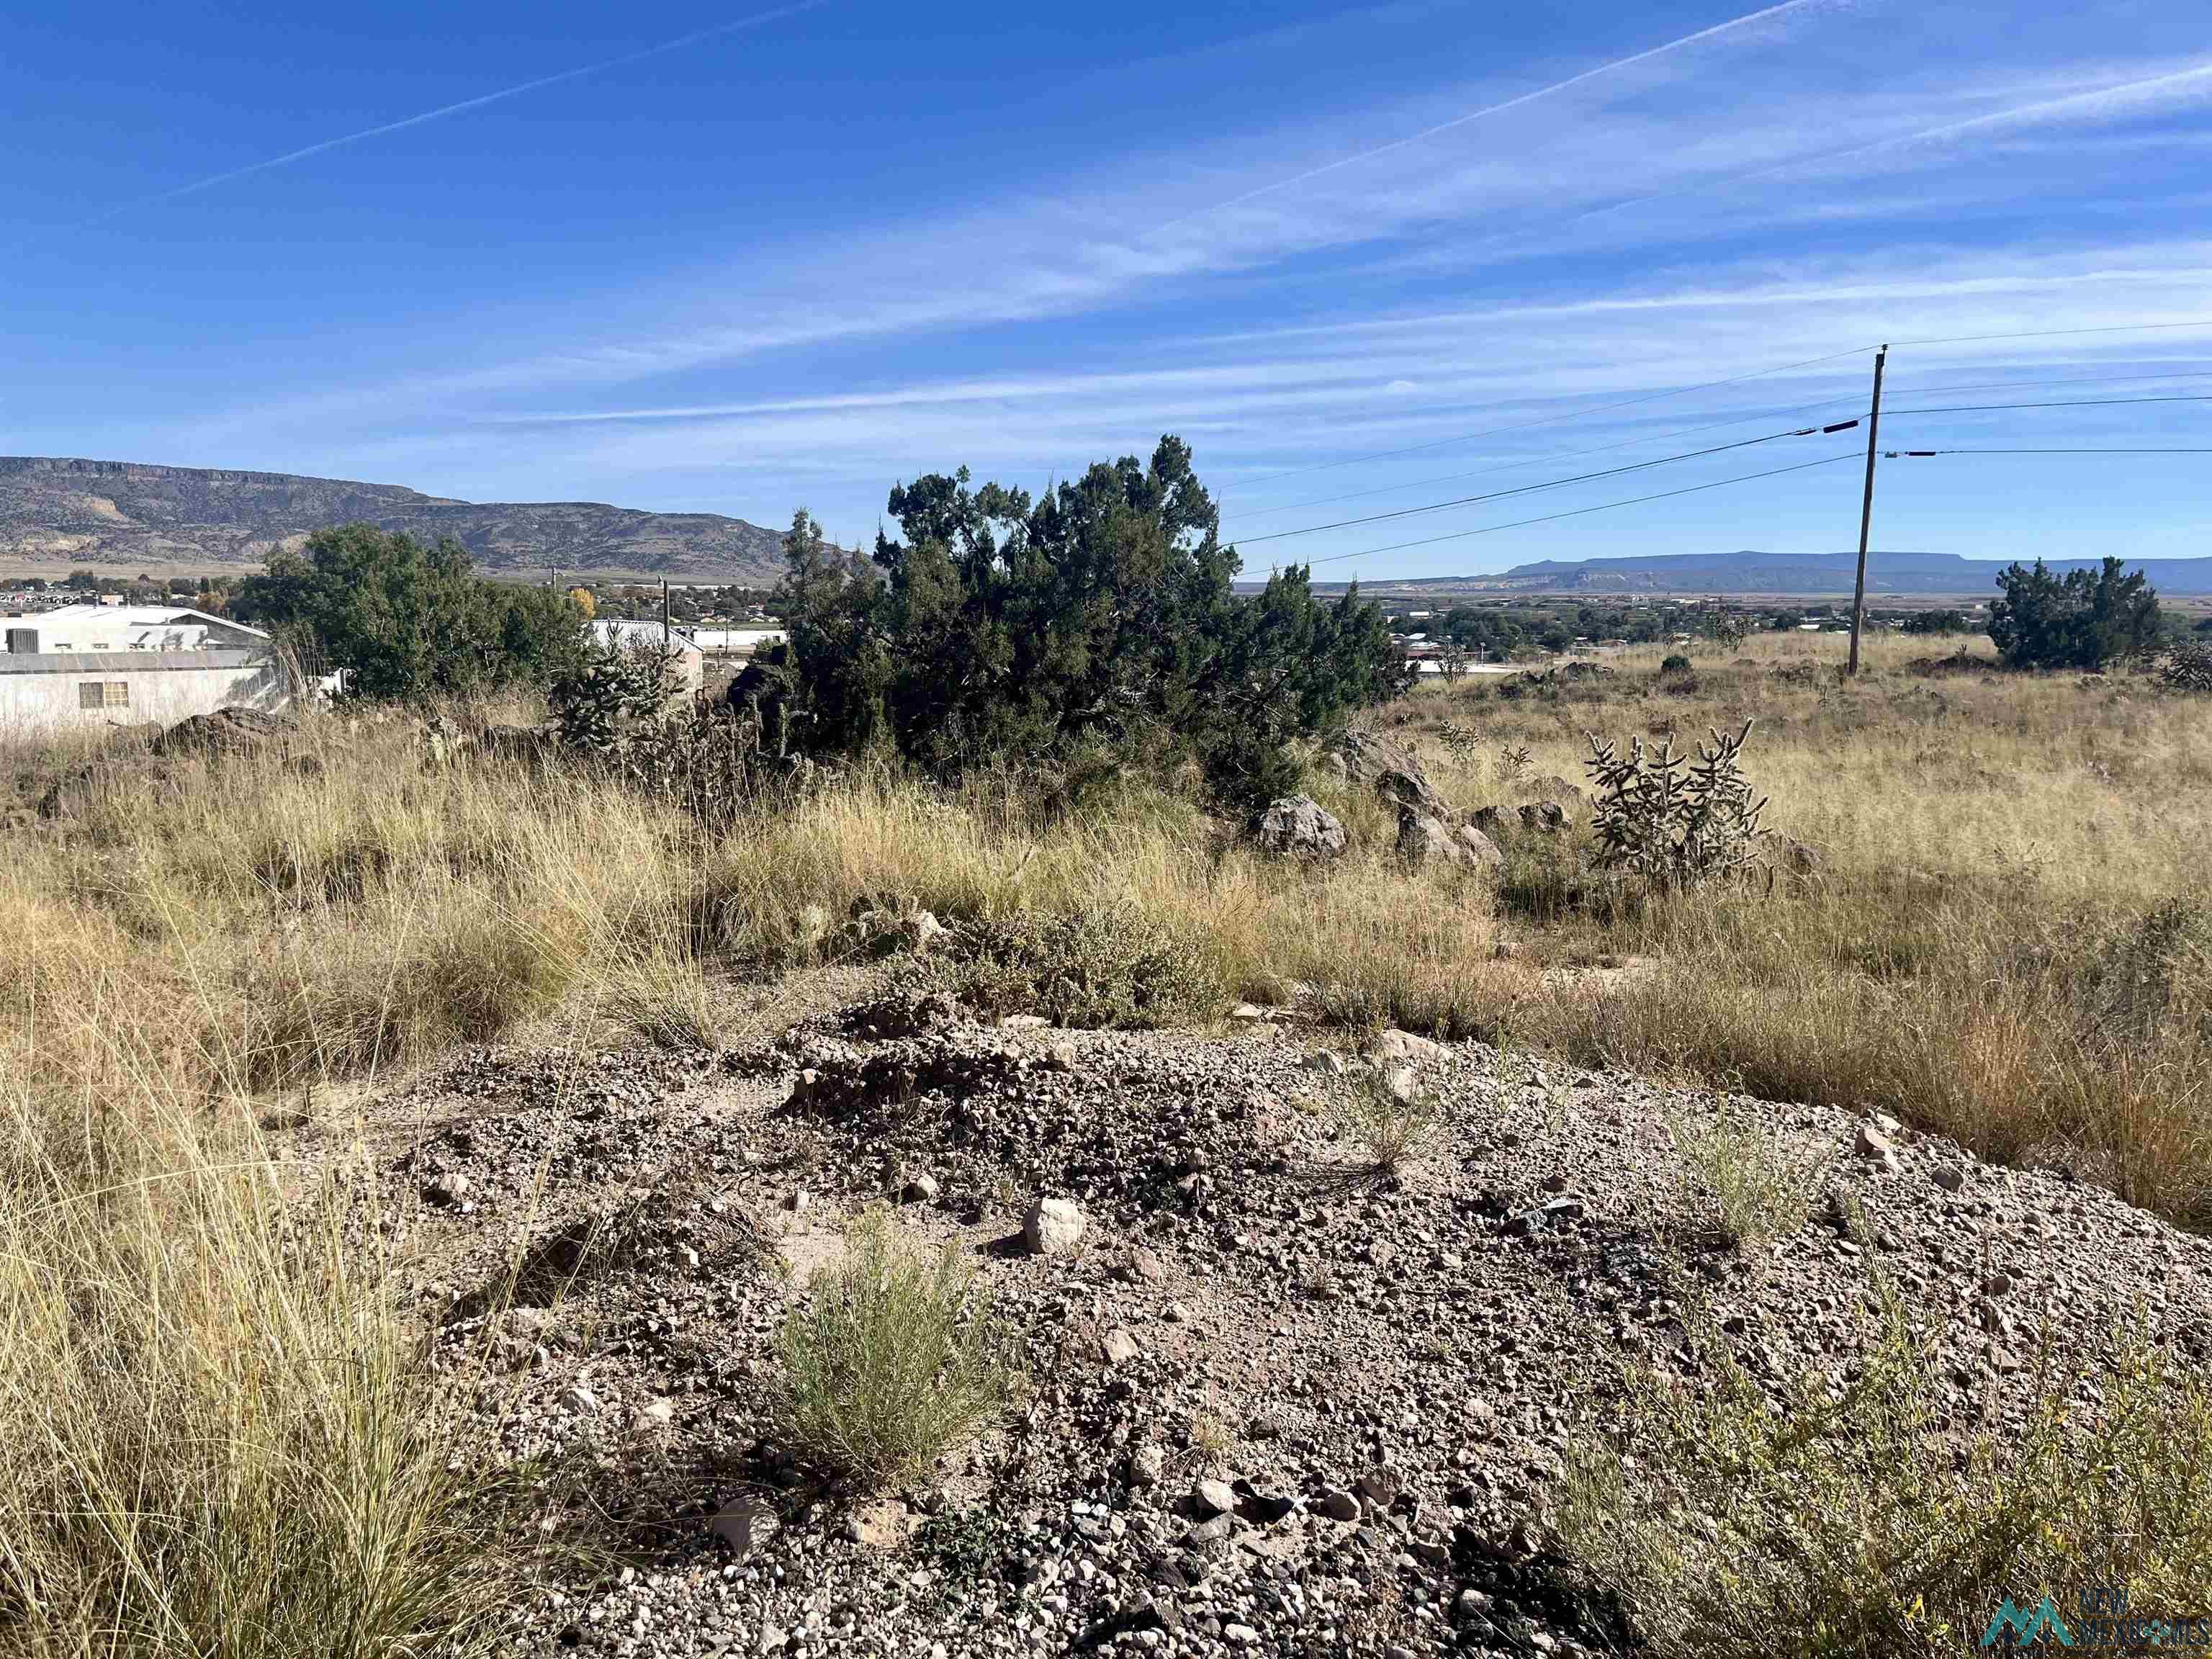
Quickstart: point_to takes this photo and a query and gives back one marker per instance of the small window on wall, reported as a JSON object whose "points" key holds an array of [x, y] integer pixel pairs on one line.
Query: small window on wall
{"points": [[103, 694]]}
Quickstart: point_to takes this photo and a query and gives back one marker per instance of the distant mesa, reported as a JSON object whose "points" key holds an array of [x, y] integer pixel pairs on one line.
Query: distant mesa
{"points": [[1746, 571], [122, 513]]}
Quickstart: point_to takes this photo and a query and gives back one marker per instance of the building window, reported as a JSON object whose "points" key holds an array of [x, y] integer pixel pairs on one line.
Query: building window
{"points": [[103, 694]]}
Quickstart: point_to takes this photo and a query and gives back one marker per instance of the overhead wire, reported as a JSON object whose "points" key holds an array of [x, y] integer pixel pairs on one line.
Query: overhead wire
{"points": [[1552, 483], [1745, 477], [2057, 333], [2197, 449], [1706, 426], [1576, 512], [2068, 380], [1549, 420], [1553, 455], [2076, 403], [1736, 380]]}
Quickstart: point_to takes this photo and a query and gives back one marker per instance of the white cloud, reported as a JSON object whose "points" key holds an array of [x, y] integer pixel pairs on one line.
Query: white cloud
{"points": [[1699, 210]]}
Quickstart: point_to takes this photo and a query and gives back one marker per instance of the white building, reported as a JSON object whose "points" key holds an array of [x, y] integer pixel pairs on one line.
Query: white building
{"points": [[742, 641], [97, 664]]}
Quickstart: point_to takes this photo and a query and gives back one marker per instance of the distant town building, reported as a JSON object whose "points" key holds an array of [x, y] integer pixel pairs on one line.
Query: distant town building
{"points": [[103, 663], [740, 642]]}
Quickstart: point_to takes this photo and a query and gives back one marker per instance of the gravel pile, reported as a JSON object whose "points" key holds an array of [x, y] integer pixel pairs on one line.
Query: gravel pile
{"points": [[1278, 1402]]}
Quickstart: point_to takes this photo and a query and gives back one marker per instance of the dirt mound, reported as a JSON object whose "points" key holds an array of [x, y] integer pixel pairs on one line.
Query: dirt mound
{"points": [[1278, 1401]]}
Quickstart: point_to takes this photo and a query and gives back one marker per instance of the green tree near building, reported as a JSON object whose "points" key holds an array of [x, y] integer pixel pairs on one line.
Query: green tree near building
{"points": [[407, 621], [2081, 620], [1938, 622]]}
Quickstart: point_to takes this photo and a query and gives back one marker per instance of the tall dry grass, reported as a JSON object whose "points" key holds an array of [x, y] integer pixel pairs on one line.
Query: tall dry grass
{"points": [[2005, 941], [218, 1435]]}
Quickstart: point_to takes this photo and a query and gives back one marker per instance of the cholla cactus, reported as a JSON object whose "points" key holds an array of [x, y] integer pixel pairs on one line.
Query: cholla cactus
{"points": [[609, 687], [2187, 667], [1464, 742], [1671, 824]]}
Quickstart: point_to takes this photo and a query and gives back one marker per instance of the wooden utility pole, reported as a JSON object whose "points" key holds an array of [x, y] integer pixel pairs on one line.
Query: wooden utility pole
{"points": [[1866, 510], [665, 635]]}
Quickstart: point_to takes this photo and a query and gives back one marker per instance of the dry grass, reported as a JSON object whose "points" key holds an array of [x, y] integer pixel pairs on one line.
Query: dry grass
{"points": [[1851, 1525], [1991, 847], [1393, 1117], [219, 1440], [1986, 842], [2005, 943]]}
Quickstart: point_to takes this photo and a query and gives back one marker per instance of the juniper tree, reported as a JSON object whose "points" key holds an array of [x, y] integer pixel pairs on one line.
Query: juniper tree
{"points": [[1098, 617]]}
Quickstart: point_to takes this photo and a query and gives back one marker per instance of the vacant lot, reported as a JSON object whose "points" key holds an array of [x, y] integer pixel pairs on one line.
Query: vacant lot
{"points": [[1996, 931], [2003, 933]]}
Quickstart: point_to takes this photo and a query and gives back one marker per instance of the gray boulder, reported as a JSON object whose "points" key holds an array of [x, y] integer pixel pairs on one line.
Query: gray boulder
{"points": [[1297, 826], [1479, 848], [1539, 817], [1422, 838], [1393, 772]]}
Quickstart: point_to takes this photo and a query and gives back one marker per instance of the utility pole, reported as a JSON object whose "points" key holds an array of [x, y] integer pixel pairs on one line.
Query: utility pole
{"points": [[1866, 510], [665, 635]]}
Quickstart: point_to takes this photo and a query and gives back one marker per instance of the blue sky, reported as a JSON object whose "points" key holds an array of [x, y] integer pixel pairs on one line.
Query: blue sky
{"points": [[677, 256]]}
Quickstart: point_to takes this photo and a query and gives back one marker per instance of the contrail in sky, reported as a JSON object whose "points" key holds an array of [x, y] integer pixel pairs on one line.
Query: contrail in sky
{"points": [[1426, 133], [465, 104]]}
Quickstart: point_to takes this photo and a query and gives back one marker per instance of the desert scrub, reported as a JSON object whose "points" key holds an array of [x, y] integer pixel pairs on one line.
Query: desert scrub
{"points": [[890, 1358], [1856, 1526], [1110, 965], [1390, 1116], [1744, 1181]]}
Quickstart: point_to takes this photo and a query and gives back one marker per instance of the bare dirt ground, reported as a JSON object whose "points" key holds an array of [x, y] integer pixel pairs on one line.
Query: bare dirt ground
{"points": [[1277, 1401]]}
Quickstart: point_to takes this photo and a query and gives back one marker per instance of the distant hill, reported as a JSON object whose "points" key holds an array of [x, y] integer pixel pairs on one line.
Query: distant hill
{"points": [[1746, 571], [120, 514]]}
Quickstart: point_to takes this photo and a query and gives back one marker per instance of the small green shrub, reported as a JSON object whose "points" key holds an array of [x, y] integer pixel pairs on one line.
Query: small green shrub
{"points": [[968, 1548], [2154, 973], [1751, 1184], [1851, 1526], [1392, 1123], [1098, 966], [892, 1358], [1676, 663]]}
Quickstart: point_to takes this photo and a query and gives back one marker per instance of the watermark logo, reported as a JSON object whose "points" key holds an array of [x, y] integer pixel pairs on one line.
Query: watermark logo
{"points": [[2027, 1628], [2104, 1620]]}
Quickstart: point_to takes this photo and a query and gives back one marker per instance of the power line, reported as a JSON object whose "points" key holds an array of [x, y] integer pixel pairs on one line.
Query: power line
{"points": [[2068, 380], [1549, 455], [1576, 512], [1708, 385], [1685, 431], [1549, 420], [2200, 449], [1551, 483], [2079, 402], [2055, 333]]}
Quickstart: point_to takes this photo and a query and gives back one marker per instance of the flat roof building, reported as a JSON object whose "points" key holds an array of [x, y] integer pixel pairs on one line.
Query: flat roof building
{"points": [[98, 665]]}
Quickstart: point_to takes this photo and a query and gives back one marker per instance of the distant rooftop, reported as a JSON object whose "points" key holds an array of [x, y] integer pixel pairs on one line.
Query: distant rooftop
{"points": [[77, 629]]}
